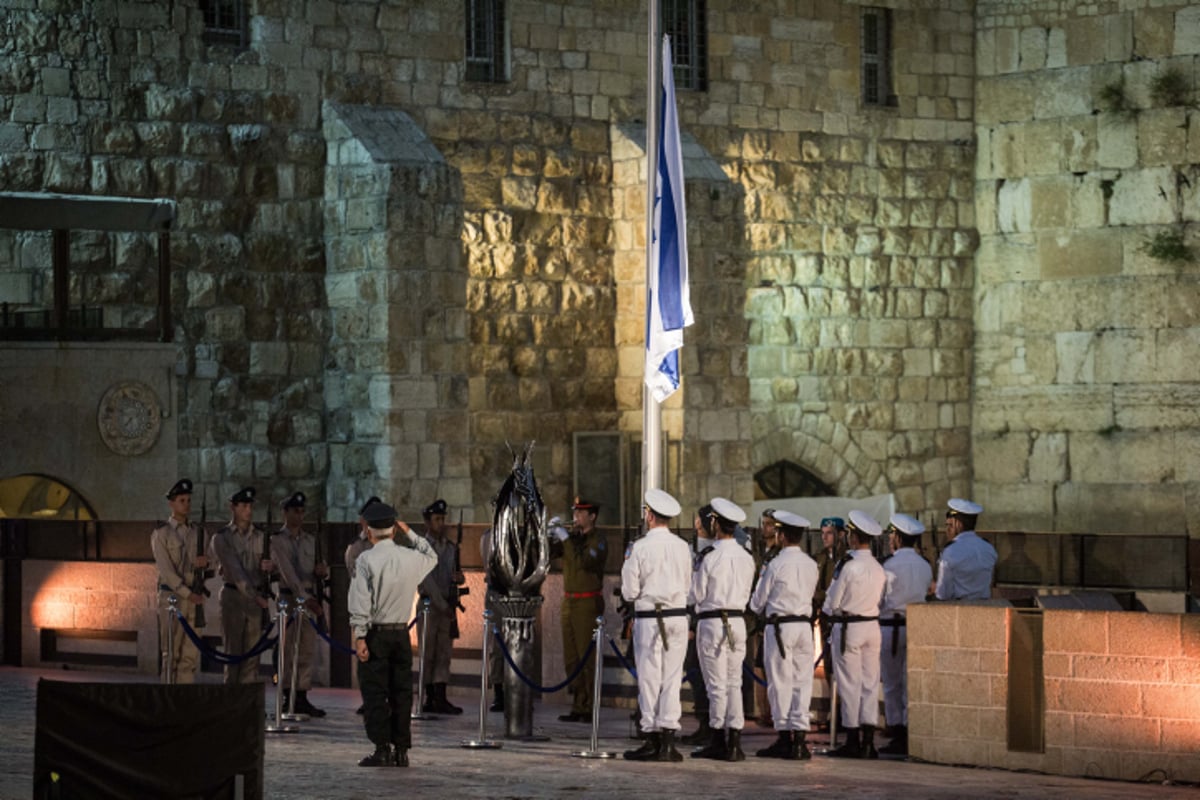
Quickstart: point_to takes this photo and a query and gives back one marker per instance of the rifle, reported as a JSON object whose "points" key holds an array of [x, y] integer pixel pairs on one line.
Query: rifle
{"points": [[457, 592], [198, 573], [624, 607], [320, 585], [264, 582]]}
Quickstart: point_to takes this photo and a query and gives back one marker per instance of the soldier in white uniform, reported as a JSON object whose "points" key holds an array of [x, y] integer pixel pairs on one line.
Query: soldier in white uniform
{"points": [[721, 589], [784, 597], [908, 579], [967, 563], [655, 578], [852, 605], [238, 549], [173, 544]]}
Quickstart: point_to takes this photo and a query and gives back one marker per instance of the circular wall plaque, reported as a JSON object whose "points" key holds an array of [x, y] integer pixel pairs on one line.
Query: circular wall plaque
{"points": [[130, 418]]}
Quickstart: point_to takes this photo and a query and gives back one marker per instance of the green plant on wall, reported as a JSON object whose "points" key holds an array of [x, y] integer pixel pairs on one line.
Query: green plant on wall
{"points": [[1169, 88], [1168, 246], [1113, 99]]}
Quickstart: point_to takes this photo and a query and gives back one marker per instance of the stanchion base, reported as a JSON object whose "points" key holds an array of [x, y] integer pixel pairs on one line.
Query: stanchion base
{"points": [[294, 717], [421, 716], [593, 754], [480, 744], [532, 737], [282, 728]]}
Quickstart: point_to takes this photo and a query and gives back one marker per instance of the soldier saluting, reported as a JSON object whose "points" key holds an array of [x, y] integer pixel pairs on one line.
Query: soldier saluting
{"points": [[174, 545]]}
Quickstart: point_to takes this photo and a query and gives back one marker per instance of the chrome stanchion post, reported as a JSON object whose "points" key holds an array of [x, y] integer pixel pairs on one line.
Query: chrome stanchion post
{"points": [[277, 725], [169, 662], [417, 712], [597, 683], [299, 614], [482, 742]]}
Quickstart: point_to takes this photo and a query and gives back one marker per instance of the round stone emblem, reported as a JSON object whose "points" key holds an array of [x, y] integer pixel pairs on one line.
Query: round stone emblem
{"points": [[130, 418]]}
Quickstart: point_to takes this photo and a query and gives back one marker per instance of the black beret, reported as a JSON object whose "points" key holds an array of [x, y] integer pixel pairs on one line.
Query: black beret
{"points": [[379, 515], [294, 501], [371, 499], [245, 495], [182, 486], [436, 507]]}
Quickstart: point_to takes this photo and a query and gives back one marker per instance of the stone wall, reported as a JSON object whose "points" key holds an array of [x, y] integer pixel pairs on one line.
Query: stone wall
{"points": [[1086, 346], [1121, 691]]}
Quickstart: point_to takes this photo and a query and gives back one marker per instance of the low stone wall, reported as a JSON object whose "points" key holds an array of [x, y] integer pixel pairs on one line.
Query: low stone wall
{"points": [[1115, 694]]}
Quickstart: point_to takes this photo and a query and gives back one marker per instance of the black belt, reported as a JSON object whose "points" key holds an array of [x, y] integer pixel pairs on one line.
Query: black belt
{"points": [[389, 626], [666, 612], [719, 613], [845, 619], [782, 619], [895, 623]]}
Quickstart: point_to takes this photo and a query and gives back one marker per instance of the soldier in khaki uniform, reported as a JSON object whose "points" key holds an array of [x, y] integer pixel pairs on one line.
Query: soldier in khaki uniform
{"points": [[584, 551], [237, 550], [440, 587], [174, 546], [294, 554]]}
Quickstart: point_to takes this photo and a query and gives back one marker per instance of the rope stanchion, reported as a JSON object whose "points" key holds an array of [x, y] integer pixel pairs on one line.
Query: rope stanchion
{"points": [[172, 611], [482, 742], [597, 683], [276, 725], [544, 689], [265, 642], [419, 713], [292, 716]]}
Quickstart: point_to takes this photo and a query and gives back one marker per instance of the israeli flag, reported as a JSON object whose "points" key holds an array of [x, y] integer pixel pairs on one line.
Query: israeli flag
{"points": [[668, 308]]}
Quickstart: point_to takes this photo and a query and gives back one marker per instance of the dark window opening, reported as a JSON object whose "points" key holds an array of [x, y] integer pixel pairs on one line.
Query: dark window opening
{"points": [[225, 22], [684, 21], [876, 57], [487, 41], [785, 479]]}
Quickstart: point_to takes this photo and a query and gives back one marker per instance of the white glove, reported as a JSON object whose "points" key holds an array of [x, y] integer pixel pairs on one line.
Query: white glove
{"points": [[557, 530]]}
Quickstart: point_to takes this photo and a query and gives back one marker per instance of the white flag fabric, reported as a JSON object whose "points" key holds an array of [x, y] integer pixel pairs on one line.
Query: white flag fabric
{"points": [[668, 307]]}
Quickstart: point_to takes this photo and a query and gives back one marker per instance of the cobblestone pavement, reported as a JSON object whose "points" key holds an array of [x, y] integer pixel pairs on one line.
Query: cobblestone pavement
{"points": [[320, 761]]}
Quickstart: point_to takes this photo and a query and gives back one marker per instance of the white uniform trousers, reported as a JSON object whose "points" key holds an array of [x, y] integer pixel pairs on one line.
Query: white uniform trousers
{"points": [[659, 673], [722, 668], [856, 671], [790, 675], [893, 673]]}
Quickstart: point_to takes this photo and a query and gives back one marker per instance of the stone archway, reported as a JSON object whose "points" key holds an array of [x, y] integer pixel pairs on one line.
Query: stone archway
{"points": [[32, 496], [828, 452]]}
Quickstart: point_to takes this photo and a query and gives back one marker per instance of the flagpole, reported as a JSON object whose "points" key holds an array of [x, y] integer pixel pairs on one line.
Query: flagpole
{"points": [[651, 412]]}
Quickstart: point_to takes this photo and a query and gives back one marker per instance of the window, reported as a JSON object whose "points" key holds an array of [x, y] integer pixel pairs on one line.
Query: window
{"points": [[684, 22], [225, 22], [487, 41], [876, 57]]}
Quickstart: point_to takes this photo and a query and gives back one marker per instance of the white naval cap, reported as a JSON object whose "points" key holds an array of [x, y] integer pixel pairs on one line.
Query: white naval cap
{"points": [[864, 523], [727, 509], [662, 503], [960, 506], [790, 519], [907, 525]]}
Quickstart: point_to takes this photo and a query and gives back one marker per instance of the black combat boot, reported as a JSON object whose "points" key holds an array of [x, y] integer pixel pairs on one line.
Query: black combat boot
{"points": [[382, 757], [305, 707], [851, 748], [702, 734], [733, 747], [715, 748], [898, 746], [780, 749], [441, 704], [649, 750], [868, 742], [498, 698], [799, 750], [667, 751], [399, 756], [427, 706]]}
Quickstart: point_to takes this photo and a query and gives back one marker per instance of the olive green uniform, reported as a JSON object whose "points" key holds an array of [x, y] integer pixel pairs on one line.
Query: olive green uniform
{"points": [[584, 557]]}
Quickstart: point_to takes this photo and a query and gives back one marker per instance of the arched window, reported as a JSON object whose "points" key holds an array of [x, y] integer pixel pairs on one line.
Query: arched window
{"points": [[785, 479], [41, 497]]}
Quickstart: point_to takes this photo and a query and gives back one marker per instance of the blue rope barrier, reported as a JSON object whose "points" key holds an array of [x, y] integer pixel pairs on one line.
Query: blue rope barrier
{"points": [[688, 675], [265, 643], [546, 689], [336, 645], [750, 672]]}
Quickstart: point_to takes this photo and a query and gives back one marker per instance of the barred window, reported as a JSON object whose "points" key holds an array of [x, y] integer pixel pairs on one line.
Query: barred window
{"points": [[684, 21], [876, 57], [487, 41], [225, 22]]}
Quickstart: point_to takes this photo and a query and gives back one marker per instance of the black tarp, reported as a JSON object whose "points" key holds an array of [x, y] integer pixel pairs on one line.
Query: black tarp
{"points": [[123, 740]]}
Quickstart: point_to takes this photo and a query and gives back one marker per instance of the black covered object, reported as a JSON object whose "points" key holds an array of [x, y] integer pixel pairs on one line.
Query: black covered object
{"points": [[123, 740]]}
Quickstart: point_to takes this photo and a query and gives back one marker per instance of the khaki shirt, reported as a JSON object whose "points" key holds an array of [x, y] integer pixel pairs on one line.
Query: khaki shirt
{"points": [[295, 557], [238, 556], [174, 547]]}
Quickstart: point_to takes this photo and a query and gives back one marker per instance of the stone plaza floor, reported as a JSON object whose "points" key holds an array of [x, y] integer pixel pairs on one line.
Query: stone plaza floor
{"points": [[320, 761]]}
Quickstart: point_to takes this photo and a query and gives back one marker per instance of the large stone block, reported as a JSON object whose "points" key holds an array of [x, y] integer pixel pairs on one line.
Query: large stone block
{"points": [[1143, 197], [1075, 632], [1121, 507], [1139, 634], [1080, 253]]}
